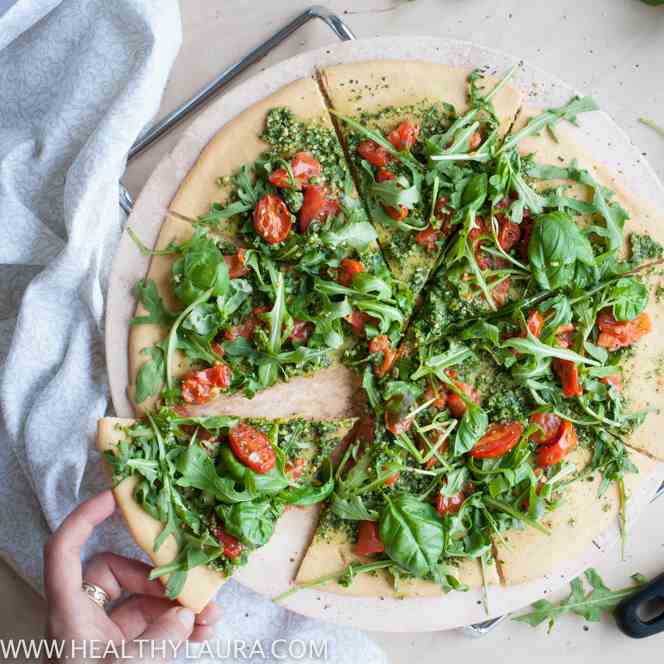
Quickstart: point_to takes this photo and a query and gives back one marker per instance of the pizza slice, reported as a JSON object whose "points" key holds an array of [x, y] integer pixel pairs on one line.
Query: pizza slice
{"points": [[199, 494], [266, 269], [408, 126]]}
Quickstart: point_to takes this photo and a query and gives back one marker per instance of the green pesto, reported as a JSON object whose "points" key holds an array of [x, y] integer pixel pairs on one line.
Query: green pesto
{"points": [[644, 248]]}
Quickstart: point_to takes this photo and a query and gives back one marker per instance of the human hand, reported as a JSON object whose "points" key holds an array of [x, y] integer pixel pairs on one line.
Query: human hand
{"points": [[146, 615]]}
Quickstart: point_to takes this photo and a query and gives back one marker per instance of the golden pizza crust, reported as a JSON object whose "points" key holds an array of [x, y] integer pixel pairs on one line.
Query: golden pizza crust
{"points": [[202, 583]]}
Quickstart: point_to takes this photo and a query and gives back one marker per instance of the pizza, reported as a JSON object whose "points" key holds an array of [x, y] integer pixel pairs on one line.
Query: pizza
{"points": [[398, 293]]}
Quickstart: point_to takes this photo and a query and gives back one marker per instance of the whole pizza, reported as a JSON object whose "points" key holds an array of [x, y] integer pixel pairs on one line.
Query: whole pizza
{"points": [[397, 293]]}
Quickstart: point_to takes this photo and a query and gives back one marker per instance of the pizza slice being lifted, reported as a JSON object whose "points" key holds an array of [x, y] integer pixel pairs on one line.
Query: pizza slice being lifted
{"points": [[199, 494]]}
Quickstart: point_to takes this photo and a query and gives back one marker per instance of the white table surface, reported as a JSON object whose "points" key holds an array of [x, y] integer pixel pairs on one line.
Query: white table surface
{"points": [[611, 49]]}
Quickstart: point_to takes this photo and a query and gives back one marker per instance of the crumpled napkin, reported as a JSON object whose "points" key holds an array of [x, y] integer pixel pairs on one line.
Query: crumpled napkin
{"points": [[79, 80]]}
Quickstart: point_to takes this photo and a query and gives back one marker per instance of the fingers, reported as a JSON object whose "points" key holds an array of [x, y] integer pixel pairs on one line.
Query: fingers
{"points": [[116, 573], [177, 624], [135, 615], [62, 554]]}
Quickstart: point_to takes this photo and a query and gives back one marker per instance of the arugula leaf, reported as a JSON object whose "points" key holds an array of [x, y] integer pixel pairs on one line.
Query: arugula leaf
{"points": [[251, 522], [533, 346], [589, 606], [145, 291], [309, 494], [150, 376], [352, 508], [412, 533]]}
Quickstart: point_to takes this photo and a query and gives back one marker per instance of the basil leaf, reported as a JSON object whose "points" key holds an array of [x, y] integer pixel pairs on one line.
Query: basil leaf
{"points": [[412, 533], [252, 522], [472, 427]]}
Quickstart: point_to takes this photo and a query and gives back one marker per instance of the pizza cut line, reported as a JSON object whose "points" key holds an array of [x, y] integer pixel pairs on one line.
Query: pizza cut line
{"points": [[407, 244]]}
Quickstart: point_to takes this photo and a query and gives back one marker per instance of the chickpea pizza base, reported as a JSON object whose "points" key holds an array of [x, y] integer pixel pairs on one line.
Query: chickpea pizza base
{"points": [[192, 204]]}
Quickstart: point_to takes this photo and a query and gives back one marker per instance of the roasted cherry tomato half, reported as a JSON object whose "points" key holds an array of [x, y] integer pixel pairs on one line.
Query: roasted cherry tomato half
{"points": [[357, 321], [497, 441], [232, 546], [568, 373], [375, 154], [235, 263], [615, 334], [199, 387], [428, 238], [252, 448], [565, 335], [348, 268], [368, 540], [304, 166], [562, 444], [381, 344], [456, 404], [317, 206], [404, 136], [509, 234], [548, 424], [535, 323], [272, 220], [449, 504], [302, 330]]}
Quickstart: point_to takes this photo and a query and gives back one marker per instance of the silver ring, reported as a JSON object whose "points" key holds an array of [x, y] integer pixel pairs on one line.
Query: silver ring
{"points": [[98, 595]]}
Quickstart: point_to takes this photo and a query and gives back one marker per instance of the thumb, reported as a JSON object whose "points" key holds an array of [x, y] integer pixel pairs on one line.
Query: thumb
{"points": [[174, 625]]}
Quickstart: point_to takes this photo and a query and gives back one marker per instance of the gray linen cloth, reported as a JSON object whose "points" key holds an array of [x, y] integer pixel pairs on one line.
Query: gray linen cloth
{"points": [[79, 80]]}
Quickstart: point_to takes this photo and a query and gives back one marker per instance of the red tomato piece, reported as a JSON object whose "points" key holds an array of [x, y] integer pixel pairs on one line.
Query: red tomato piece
{"points": [[304, 166], [535, 323], [357, 320], [235, 264], [456, 404], [564, 442], [317, 206], [272, 220], [449, 504], [509, 234], [391, 480], [439, 395], [565, 335], [427, 238], [232, 546], [549, 424], [404, 136], [497, 441], [614, 379], [302, 330], [252, 448], [199, 387], [396, 426], [348, 268], [375, 154], [615, 334], [475, 141], [399, 213], [381, 344], [500, 293], [568, 373], [368, 540]]}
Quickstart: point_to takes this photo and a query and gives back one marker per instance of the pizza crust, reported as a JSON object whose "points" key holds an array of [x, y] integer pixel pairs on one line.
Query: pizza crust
{"points": [[202, 583]]}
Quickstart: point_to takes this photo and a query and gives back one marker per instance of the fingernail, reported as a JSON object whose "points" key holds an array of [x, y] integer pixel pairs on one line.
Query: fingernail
{"points": [[186, 617]]}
